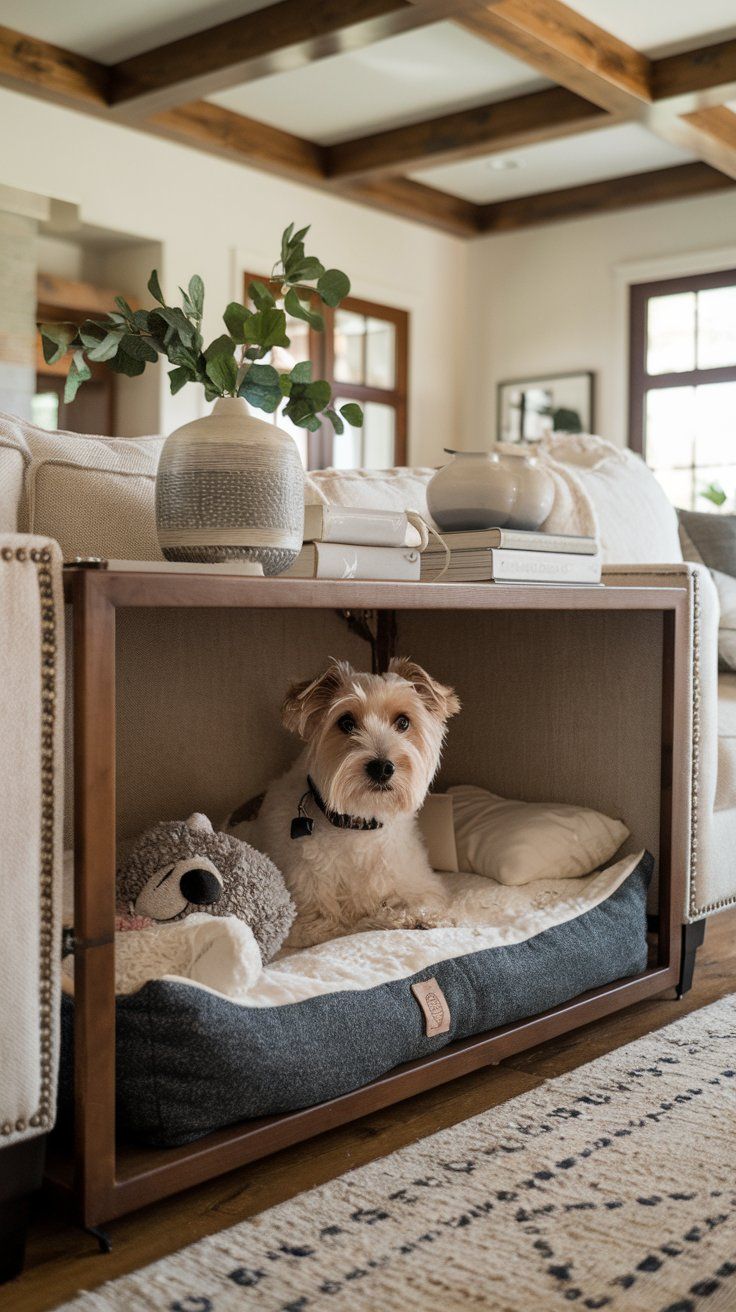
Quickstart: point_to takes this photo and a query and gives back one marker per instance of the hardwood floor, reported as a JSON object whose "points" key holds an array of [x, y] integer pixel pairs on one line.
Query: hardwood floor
{"points": [[63, 1259]]}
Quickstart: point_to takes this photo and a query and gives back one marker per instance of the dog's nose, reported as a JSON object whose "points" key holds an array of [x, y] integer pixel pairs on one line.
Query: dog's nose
{"points": [[200, 887], [380, 771]]}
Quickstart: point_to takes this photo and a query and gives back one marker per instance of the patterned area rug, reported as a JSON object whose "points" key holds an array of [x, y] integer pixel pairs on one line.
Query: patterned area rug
{"points": [[611, 1187]]}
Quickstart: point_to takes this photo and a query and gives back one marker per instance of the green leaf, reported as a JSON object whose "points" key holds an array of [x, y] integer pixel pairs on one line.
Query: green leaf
{"points": [[285, 384], [90, 333], [222, 372], [235, 318], [154, 287], [308, 270], [196, 295], [56, 338], [264, 375], [285, 239], [302, 372], [140, 320], [138, 348], [122, 363], [260, 295], [352, 414], [298, 310], [178, 378], [335, 420], [79, 372], [176, 320], [333, 287], [319, 393], [264, 398], [107, 348], [223, 345], [124, 308], [266, 328]]}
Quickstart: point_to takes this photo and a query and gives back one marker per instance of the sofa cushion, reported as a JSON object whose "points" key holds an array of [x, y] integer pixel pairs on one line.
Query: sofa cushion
{"points": [[383, 489], [710, 539], [94, 495], [325, 1020]]}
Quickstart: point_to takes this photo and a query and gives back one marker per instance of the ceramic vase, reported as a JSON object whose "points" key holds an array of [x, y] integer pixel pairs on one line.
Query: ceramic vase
{"points": [[230, 487], [535, 491], [474, 490]]}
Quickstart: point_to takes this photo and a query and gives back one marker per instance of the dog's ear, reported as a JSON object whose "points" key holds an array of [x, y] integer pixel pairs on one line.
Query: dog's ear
{"points": [[307, 701], [437, 697]]}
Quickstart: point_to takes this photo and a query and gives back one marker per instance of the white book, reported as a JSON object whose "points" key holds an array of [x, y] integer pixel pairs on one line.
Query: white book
{"points": [[341, 560], [500, 565], [359, 526], [518, 539]]}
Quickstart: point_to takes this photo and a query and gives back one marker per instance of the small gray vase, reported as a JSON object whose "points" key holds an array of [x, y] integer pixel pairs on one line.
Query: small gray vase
{"points": [[230, 487]]}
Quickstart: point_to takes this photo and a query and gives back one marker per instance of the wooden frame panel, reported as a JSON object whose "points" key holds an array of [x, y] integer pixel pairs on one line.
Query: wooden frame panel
{"points": [[106, 1184]]}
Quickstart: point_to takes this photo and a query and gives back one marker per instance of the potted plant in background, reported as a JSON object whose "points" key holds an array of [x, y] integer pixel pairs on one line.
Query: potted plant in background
{"points": [[229, 486]]}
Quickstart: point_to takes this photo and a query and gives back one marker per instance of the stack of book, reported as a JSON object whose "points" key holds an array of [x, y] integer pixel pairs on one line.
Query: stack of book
{"points": [[501, 555], [346, 542]]}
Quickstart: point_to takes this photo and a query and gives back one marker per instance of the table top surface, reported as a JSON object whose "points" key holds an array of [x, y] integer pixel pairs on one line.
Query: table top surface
{"points": [[154, 588]]}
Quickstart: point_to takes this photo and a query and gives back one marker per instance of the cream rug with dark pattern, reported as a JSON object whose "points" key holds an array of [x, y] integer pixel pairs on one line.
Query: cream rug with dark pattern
{"points": [[611, 1187]]}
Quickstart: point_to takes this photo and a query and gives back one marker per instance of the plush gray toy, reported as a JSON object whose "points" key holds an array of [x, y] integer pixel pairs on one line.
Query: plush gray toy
{"points": [[181, 866]]}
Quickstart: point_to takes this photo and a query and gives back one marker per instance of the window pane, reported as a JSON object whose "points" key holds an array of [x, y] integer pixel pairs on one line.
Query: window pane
{"points": [[716, 327], [378, 435], [671, 333], [380, 353], [715, 423], [347, 447], [45, 410], [670, 427], [349, 347], [678, 484]]}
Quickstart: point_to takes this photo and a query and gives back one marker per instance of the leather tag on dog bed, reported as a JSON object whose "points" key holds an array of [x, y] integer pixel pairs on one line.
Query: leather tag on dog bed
{"points": [[433, 1003]]}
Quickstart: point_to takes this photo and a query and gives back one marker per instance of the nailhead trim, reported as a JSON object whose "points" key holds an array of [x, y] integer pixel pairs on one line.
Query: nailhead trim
{"points": [[40, 557]]}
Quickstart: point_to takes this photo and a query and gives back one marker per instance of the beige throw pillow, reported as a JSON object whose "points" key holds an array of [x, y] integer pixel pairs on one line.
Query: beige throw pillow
{"points": [[518, 842]]}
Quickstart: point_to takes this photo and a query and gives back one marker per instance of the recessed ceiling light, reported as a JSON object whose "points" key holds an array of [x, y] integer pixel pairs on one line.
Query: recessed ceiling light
{"points": [[503, 164]]}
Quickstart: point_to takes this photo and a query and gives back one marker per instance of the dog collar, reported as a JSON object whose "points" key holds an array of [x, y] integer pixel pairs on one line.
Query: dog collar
{"points": [[302, 824]]}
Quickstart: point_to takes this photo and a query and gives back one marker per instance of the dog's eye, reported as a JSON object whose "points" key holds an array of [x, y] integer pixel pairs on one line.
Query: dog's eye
{"points": [[346, 724], [402, 723]]}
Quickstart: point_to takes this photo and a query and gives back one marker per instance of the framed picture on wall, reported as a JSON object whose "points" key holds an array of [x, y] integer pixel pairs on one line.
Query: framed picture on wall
{"points": [[528, 409]]}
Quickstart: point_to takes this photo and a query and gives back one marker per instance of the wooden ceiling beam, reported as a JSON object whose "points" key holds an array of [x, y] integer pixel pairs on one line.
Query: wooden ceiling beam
{"points": [[51, 73], [696, 79], [281, 37], [678, 183], [504, 125]]}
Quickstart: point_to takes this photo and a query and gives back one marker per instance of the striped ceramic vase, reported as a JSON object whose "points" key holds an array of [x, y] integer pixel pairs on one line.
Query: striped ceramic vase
{"points": [[230, 487]]}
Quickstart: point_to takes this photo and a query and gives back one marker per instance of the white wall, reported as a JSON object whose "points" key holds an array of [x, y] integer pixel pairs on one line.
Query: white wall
{"points": [[217, 218], [553, 299]]}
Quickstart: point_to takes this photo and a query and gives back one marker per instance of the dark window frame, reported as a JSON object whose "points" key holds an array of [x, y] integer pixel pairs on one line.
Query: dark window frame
{"points": [[322, 354], [641, 382]]}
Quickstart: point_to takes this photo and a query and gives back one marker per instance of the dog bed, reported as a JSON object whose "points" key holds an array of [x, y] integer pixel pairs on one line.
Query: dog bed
{"points": [[322, 1021]]}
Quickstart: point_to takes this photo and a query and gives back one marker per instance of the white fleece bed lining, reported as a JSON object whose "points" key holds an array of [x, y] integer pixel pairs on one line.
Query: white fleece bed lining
{"points": [[493, 915]]}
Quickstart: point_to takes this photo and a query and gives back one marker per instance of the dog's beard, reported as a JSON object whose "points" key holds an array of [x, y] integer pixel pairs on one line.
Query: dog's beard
{"points": [[338, 767]]}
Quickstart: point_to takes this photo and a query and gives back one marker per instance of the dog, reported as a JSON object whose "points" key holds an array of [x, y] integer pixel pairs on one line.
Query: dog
{"points": [[341, 823]]}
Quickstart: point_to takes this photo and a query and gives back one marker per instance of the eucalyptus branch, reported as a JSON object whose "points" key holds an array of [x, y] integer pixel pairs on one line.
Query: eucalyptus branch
{"points": [[232, 364]]}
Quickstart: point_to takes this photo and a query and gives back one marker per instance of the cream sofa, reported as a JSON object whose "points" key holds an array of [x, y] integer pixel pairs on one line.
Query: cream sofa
{"points": [[94, 496]]}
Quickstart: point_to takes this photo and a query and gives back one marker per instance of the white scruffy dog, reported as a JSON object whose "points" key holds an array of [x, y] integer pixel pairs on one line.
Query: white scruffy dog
{"points": [[340, 824]]}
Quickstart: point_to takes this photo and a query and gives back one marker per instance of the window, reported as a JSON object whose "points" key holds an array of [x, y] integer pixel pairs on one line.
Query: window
{"points": [[683, 384], [363, 354]]}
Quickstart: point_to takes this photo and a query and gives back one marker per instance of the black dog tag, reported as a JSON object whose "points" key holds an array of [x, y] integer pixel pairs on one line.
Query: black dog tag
{"points": [[301, 826]]}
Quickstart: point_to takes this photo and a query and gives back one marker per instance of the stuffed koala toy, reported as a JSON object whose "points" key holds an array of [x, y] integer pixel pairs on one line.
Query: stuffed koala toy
{"points": [[180, 867]]}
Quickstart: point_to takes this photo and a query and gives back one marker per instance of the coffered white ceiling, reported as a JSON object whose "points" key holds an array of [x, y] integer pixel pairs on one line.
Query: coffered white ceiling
{"points": [[659, 27], [400, 80], [589, 157], [111, 30]]}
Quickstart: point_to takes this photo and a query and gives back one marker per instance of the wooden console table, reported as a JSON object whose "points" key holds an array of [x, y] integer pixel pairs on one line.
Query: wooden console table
{"points": [[108, 1179]]}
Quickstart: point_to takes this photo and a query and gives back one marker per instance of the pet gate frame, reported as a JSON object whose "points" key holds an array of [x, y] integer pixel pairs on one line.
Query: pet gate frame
{"points": [[107, 1180]]}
